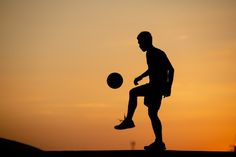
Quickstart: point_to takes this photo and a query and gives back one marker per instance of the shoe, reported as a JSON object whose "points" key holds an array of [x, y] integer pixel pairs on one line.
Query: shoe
{"points": [[125, 124], [156, 146]]}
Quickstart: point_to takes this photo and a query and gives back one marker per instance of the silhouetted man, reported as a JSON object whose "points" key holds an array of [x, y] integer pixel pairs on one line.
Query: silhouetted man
{"points": [[161, 73]]}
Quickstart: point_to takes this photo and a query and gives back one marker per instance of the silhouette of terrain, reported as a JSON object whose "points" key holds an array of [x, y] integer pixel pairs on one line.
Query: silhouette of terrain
{"points": [[13, 148], [7, 145]]}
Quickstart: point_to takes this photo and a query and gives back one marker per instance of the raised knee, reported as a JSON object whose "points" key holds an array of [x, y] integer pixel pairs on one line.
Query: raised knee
{"points": [[132, 92]]}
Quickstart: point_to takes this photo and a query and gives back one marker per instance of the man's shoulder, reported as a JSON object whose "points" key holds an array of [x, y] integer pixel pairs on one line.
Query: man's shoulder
{"points": [[159, 51]]}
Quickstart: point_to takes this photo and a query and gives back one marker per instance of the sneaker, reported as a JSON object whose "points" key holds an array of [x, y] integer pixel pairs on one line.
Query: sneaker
{"points": [[125, 124], [156, 146]]}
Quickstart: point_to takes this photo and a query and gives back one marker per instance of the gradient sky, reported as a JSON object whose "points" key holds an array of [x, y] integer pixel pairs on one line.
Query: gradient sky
{"points": [[55, 56]]}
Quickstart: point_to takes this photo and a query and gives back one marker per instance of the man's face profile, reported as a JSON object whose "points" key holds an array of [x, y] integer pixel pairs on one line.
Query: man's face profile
{"points": [[142, 45]]}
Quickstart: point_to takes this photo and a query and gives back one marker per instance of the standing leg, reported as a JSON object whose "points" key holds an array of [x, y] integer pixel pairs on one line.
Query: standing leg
{"points": [[156, 125]]}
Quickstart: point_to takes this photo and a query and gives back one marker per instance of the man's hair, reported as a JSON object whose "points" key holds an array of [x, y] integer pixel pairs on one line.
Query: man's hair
{"points": [[146, 36]]}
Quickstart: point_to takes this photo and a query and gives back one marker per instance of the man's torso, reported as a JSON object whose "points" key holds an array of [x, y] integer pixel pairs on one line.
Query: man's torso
{"points": [[156, 61]]}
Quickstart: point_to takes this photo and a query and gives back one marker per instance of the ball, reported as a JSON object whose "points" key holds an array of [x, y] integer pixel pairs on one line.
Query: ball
{"points": [[114, 80]]}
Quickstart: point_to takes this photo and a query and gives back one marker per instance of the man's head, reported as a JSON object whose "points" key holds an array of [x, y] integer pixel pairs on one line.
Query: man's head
{"points": [[145, 40]]}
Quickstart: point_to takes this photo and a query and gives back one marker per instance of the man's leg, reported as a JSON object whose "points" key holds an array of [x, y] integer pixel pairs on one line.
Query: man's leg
{"points": [[132, 104], [156, 125]]}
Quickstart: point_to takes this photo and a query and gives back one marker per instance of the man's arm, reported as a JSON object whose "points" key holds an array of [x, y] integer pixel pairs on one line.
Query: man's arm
{"points": [[170, 78], [136, 80], [170, 75]]}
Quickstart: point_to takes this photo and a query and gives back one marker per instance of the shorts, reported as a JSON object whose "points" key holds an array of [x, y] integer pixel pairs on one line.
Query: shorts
{"points": [[152, 95]]}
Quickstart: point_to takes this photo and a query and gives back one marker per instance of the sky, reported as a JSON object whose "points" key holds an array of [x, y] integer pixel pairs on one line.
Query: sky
{"points": [[55, 56]]}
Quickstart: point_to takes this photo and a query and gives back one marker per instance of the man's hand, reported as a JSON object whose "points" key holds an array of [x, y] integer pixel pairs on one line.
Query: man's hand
{"points": [[167, 91], [136, 80]]}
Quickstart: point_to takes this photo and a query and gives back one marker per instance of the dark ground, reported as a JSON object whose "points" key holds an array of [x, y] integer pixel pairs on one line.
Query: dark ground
{"points": [[13, 148], [139, 153]]}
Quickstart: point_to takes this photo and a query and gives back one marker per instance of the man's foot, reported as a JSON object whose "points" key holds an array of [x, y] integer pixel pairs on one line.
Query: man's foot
{"points": [[156, 146], [125, 124]]}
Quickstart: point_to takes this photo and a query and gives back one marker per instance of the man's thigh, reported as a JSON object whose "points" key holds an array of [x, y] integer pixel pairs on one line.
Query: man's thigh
{"points": [[153, 101], [142, 90]]}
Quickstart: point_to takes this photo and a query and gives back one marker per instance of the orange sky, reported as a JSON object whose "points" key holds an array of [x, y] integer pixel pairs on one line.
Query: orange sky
{"points": [[55, 56]]}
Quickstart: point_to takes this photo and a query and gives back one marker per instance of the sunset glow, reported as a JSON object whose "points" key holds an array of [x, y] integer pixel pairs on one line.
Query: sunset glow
{"points": [[55, 56]]}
